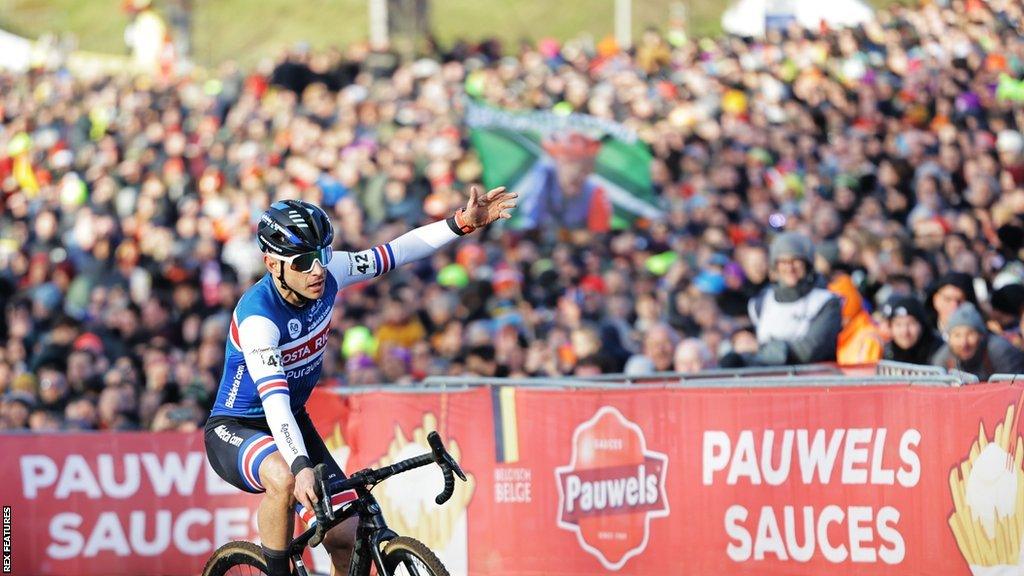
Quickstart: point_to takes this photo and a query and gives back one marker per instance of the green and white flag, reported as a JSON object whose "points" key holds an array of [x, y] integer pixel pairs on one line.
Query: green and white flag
{"points": [[571, 171]]}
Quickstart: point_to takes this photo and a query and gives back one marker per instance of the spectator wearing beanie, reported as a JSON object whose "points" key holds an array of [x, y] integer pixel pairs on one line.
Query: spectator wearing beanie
{"points": [[827, 261], [913, 339], [859, 341], [796, 320], [970, 347]]}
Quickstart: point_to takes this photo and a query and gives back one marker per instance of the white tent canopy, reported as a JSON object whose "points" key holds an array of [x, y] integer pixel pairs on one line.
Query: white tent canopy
{"points": [[15, 52], [751, 17]]}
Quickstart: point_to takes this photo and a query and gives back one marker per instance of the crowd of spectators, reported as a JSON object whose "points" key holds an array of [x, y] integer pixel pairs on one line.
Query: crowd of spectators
{"points": [[127, 207]]}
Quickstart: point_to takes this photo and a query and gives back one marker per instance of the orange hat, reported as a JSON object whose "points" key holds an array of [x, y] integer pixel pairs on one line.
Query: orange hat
{"points": [[571, 146]]}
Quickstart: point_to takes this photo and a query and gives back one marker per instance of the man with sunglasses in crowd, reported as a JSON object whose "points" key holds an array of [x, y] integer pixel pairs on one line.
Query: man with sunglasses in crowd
{"points": [[259, 436]]}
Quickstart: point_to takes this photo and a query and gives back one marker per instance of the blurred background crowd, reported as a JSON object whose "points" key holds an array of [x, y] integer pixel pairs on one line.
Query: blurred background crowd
{"points": [[127, 209]]}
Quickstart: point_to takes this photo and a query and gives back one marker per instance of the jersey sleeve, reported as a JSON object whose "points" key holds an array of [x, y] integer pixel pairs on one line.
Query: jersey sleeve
{"points": [[351, 267], [259, 338]]}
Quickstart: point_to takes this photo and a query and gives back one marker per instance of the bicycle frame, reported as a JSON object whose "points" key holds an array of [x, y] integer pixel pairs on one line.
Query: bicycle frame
{"points": [[371, 532]]}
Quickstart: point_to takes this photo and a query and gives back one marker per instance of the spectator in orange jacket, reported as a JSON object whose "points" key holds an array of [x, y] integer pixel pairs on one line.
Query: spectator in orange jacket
{"points": [[860, 341]]}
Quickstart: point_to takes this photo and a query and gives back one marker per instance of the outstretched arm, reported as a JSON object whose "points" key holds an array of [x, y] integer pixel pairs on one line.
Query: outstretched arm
{"points": [[351, 267]]}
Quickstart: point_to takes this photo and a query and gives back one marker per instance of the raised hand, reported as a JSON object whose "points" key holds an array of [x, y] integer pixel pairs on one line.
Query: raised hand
{"points": [[482, 210]]}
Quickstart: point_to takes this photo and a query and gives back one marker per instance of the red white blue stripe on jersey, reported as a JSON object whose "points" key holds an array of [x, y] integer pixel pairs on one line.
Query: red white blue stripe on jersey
{"points": [[233, 336], [251, 455], [338, 501], [270, 385], [384, 257]]}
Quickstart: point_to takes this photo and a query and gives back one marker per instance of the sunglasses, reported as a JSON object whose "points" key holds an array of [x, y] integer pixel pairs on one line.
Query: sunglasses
{"points": [[304, 262]]}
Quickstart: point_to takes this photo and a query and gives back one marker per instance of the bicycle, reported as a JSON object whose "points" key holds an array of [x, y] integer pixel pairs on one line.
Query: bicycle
{"points": [[375, 545]]}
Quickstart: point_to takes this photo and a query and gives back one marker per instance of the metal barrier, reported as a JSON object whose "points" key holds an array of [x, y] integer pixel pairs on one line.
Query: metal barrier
{"points": [[886, 373], [772, 381], [1011, 378], [894, 368], [964, 377], [567, 382], [720, 373]]}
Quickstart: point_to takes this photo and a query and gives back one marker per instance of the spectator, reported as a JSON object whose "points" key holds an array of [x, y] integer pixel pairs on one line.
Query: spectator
{"points": [[692, 355], [118, 408], [480, 360], [969, 347], [588, 367], [80, 414], [53, 389], [126, 244], [945, 296], [1007, 308], [15, 410], [172, 417], [396, 365], [44, 421], [826, 261], [913, 339], [362, 371], [859, 341], [659, 343], [84, 368], [796, 320], [399, 327]]}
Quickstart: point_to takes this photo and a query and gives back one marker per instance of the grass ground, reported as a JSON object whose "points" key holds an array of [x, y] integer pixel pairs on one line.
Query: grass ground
{"points": [[246, 30]]}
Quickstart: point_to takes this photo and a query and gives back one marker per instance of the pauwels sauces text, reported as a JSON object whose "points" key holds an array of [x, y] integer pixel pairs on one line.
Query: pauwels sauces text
{"points": [[797, 532]]}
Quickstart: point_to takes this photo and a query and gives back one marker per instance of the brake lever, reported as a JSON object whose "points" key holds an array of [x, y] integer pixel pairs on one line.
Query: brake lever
{"points": [[322, 517], [325, 495], [442, 457], [454, 467]]}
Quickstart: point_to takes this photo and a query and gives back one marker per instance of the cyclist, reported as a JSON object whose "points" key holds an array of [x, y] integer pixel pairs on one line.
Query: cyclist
{"points": [[259, 436]]}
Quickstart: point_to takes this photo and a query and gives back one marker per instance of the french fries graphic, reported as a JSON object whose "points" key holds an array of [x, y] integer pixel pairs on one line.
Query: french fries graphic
{"points": [[988, 497], [407, 500]]}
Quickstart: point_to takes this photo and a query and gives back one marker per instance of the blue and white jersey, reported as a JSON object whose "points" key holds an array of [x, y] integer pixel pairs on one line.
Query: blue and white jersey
{"points": [[290, 367], [274, 353]]}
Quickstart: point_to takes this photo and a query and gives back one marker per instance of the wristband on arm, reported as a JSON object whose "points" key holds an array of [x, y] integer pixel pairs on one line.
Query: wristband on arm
{"points": [[458, 223], [299, 464]]}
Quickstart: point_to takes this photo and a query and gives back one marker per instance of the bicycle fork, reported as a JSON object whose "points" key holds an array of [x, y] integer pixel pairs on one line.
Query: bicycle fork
{"points": [[371, 533], [365, 552]]}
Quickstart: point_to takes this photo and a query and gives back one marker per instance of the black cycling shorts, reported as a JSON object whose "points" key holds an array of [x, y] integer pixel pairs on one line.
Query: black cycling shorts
{"points": [[237, 446]]}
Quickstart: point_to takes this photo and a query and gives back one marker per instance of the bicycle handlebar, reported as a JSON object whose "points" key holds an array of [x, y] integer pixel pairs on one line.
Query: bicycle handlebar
{"points": [[447, 464], [438, 455]]}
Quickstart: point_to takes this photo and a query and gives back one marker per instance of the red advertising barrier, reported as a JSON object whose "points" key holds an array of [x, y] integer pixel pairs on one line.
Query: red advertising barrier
{"points": [[871, 480], [117, 504]]}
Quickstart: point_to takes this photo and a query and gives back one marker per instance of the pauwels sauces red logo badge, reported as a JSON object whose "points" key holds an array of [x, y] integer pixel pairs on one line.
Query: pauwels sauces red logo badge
{"points": [[611, 488]]}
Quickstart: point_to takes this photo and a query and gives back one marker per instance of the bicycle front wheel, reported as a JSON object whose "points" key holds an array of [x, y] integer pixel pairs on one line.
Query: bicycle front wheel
{"points": [[236, 559], [406, 556]]}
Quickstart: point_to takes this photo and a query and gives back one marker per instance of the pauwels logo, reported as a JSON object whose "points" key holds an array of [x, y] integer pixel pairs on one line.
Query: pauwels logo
{"points": [[611, 488]]}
